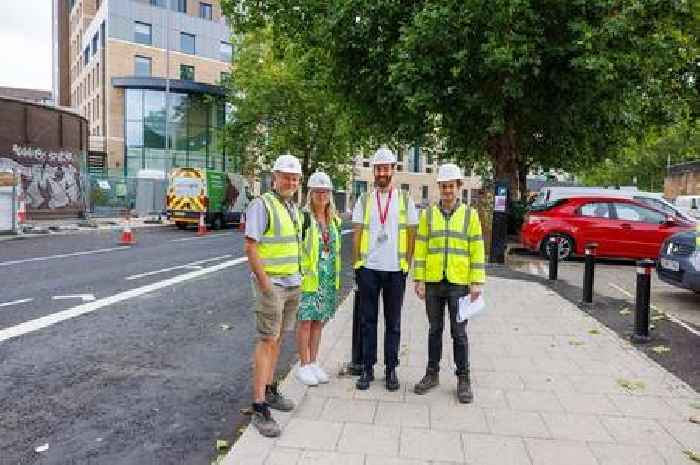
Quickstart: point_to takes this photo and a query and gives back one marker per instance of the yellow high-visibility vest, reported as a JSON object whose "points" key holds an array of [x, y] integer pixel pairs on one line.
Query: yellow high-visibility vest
{"points": [[452, 249], [310, 261], [279, 247], [402, 249], [697, 237]]}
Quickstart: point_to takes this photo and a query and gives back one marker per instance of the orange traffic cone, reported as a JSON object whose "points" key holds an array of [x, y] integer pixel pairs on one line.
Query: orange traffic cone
{"points": [[202, 227], [241, 222], [22, 212], [127, 236]]}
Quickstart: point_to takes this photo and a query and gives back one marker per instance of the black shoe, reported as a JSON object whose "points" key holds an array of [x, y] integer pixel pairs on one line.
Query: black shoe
{"points": [[366, 377], [429, 381], [392, 381], [464, 389]]}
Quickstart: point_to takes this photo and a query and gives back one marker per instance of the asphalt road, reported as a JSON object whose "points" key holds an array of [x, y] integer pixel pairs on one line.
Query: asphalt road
{"points": [[617, 279], [124, 355]]}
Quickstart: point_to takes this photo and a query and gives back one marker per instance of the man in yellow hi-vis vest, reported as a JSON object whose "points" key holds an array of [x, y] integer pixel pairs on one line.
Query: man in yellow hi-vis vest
{"points": [[449, 264], [383, 230], [272, 245]]}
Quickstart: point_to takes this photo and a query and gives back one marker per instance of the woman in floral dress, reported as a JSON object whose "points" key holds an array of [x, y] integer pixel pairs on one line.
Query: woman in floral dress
{"points": [[321, 266]]}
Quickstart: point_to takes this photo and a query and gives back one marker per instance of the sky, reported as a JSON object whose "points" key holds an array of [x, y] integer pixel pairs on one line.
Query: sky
{"points": [[25, 38]]}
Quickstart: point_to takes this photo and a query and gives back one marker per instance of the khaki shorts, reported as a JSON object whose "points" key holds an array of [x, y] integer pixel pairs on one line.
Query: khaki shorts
{"points": [[276, 311]]}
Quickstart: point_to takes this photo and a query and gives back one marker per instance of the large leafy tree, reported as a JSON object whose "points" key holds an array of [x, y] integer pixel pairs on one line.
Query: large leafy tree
{"points": [[526, 82], [280, 104]]}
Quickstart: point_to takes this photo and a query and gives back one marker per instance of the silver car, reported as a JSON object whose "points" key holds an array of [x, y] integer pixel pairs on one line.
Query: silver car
{"points": [[679, 261]]}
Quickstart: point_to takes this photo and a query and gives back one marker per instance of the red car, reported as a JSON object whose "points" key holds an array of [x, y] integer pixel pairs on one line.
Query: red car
{"points": [[621, 227]]}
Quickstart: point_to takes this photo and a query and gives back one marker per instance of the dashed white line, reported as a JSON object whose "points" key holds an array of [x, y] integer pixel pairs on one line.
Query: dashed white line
{"points": [[58, 317], [192, 266], [670, 316], [84, 297], [209, 236], [63, 255], [15, 302]]}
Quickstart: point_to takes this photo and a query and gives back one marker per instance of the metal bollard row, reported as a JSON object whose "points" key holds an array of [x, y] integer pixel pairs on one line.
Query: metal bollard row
{"points": [[589, 273], [642, 303], [553, 258]]}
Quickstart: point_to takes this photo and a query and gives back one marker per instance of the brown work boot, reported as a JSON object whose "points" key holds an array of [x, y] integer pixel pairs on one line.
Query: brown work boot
{"points": [[464, 389], [429, 381]]}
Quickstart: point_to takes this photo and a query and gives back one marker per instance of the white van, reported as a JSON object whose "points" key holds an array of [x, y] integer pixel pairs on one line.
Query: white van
{"points": [[689, 204], [654, 200]]}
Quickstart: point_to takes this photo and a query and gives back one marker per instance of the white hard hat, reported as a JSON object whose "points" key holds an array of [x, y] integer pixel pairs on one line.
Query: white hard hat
{"points": [[320, 180], [449, 172], [383, 156], [287, 164]]}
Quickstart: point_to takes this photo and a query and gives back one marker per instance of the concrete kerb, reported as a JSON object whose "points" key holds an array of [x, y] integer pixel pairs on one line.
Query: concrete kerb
{"points": [[63, 228], [251, 448]]}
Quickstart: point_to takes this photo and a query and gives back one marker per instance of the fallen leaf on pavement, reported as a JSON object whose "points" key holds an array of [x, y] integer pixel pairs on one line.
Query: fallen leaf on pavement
{"points": [[593, 331], [694, 419], [225, 327], [630, 385], [625, 311], [658, 317], [692, 455], [42, 448], [221, 444], [660, 349], [576, 343]]}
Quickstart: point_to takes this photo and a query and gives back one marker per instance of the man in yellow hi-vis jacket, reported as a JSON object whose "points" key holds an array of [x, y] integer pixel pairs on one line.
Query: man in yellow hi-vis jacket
{"points": [[449, 264]]}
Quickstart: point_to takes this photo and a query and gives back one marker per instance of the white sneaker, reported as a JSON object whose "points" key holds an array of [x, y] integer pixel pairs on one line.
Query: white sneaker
{"points": [[321, 375], [306, 375]]}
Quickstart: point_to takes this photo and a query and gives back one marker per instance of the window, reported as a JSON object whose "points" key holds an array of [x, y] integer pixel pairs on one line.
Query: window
{"points": [[425, 193], [95, 40], [428, 169], [205, 10], [86, 56], [595, 210], [187, 43], [142, 66], [187, 72], [142, 33], [181, 6], [226, 50], [365, 164], [405, 187], [630, 212], [158, 3]]}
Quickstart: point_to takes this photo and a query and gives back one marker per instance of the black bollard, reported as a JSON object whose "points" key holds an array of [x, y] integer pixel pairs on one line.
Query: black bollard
{"points": [[589, 273], [355, 367], [553, 258], [642, 301]]}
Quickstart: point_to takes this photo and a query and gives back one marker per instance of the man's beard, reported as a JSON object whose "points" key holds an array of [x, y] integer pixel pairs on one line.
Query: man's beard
{"points": [[382, 181]]}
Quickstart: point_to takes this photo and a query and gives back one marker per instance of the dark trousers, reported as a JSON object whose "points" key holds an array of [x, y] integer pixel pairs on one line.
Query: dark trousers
{"points": [[436, 296], [392, 285]]}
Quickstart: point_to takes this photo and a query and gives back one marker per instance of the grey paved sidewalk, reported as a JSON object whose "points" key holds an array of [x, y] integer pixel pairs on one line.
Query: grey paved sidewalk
{"points": [[552, 386]]}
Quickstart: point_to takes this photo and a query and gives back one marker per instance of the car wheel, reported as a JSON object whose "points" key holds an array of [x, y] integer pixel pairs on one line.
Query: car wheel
{"points": [[566, 246]]}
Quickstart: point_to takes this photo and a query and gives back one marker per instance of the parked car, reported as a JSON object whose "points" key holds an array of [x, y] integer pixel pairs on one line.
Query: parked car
{"points": [[679, 260], [689, 204], [621, 227], [548, 195]]}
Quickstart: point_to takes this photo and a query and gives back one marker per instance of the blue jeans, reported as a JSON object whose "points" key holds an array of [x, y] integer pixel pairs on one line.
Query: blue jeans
{"points": [[392, 285]]}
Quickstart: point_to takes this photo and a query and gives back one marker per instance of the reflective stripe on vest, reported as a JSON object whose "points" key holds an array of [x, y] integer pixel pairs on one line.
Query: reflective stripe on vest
{"points": [[447, 252], [279, 247]]}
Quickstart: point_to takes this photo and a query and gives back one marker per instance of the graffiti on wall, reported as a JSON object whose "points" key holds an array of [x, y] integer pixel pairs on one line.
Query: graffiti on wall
{"points": [[50, 180]]}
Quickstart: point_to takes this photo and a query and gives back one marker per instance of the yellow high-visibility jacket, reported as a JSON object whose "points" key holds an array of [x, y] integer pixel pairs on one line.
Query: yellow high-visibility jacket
{"points": [[279, 247]]}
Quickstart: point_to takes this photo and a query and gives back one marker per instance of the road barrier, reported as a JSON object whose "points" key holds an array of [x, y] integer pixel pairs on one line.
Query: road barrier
{"points": [[642, 302], [589, 272], [127, 235], [553, 258], [202, 227]]}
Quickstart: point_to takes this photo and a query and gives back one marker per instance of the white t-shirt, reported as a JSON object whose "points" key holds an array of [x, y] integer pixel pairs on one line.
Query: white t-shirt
{"points": [[384, 256]]}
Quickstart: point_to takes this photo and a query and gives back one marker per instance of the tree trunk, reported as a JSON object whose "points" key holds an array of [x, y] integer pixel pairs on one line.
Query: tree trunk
{"points": [[523, 169], [503, 152]]}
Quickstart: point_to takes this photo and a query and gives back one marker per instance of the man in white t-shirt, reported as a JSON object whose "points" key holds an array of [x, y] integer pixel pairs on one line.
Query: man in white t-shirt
{"points": [[384, 225]]}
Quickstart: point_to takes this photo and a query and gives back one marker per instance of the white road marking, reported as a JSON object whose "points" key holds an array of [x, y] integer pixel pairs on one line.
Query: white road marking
{"points": [[63, 255], [58, 317], [15, 302], [670, 316], [85, 297], [191, 266], [208, 236]]}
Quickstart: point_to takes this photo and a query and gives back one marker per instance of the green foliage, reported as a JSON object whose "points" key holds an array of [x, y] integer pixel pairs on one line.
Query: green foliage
{"points": [[645, 161], [526, 82], [280, 103]]}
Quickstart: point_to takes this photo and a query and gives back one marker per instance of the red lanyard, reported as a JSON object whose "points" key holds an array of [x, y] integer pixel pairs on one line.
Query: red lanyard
{"points": [[383, 215]]}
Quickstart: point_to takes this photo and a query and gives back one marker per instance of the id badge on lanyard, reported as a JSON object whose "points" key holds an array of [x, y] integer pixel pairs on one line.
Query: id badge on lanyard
{"points": [[383, 236]]}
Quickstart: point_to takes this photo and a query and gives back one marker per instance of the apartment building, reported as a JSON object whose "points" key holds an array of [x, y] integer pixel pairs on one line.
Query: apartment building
{"points": [[416, 173], [147, 76]]}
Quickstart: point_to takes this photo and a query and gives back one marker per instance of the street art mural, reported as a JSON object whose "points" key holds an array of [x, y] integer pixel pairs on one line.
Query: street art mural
{"points": [[50, 180]]}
